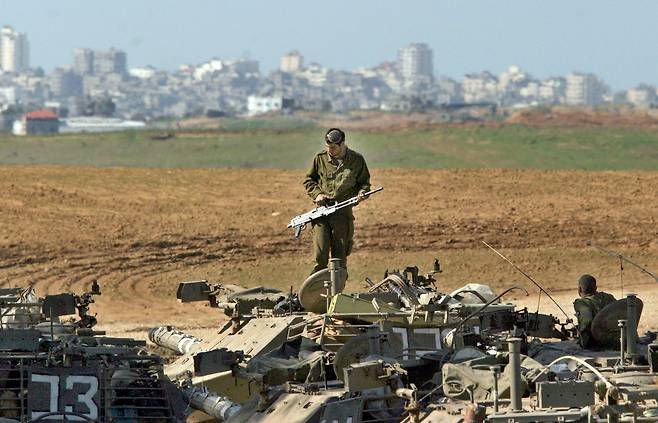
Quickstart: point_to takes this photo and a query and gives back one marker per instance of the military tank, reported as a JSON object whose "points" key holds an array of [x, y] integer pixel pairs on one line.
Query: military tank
{"points": [[55, 367], [325, 355]]}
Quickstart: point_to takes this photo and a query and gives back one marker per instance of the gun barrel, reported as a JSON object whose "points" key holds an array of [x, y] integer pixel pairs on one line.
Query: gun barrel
{"points": [[174, 340], [212, 404]]}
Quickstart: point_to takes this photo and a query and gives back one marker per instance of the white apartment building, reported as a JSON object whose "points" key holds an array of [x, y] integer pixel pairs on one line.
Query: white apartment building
{"points": [[261, 105], [530, 90], [145, 72], [387, 72], [416, 63], [480, 87], [315, 74], [8, 97], [292, 62], [642, 97], [213, 65], [584, 89], [512, 78], [552, 90], [240, 66], [14, 50]]}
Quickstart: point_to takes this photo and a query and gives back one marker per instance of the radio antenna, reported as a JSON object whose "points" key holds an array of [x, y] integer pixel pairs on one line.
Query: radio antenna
{"points": [[541, 289], [622, 258]]}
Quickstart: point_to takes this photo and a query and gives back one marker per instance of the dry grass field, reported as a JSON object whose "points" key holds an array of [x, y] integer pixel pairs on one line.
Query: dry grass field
{"points": [[141, 231]]}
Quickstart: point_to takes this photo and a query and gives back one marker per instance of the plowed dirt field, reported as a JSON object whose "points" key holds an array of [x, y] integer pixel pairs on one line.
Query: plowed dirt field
{"points": [[141, 231]]}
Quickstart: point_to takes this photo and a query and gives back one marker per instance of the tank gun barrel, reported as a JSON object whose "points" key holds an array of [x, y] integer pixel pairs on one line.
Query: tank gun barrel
{"points": [[212, 404], [174, 340]]}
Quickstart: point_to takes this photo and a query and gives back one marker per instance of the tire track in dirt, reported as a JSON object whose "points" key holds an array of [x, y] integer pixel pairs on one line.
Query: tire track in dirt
{"points": [[138, 231]]}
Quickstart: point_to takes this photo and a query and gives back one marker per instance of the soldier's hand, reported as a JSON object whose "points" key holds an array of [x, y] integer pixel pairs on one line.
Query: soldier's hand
{"points": [[321, 199], [361, 196]]}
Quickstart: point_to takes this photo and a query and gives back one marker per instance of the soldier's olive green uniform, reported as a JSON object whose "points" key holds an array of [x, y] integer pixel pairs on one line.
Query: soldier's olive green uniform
{"points": [[340, 180], [586, 309]]}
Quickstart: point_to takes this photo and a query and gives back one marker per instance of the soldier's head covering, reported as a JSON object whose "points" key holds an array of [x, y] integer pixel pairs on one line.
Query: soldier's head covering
{"points": [[334, 136], [587, 284]]}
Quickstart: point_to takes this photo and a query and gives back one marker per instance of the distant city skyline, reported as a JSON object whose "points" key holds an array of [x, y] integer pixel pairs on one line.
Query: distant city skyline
{"points": [[619, 43]]}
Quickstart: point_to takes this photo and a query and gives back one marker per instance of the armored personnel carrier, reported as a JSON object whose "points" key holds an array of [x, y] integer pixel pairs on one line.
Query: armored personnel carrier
{"points": [[55, 367]]}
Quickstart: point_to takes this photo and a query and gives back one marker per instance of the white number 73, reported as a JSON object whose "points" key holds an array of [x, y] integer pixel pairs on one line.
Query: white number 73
{"points": [[86, 398]]}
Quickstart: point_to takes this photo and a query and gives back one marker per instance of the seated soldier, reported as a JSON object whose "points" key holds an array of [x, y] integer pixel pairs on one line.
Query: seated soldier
{"points": [[587, 306]]}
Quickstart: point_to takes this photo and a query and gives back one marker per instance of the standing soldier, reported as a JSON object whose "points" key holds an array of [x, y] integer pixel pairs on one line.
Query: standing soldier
{"points": [[587, 307], [337, 174]]}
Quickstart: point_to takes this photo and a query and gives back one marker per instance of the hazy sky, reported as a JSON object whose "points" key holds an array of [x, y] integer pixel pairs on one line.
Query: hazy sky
{"points": [[616, 39]]}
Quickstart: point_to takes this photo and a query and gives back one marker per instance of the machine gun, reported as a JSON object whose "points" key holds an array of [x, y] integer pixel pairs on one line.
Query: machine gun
{"points": [[66, 304], [300, 222], [236, 300]]}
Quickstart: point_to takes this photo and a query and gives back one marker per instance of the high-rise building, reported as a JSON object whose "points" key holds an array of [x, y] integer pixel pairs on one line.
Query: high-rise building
{"points": [[111, 61], [416, 63], [65, 83], [83, 61], [292, 62], [584, 89], [14, 50]]}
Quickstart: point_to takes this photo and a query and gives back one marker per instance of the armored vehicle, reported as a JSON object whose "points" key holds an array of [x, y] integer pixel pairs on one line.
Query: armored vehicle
{"points": [[55, 366], [324, 355], [404, 351]]}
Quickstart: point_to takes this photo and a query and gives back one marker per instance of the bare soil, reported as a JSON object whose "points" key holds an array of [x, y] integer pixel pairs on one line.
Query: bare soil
{"points": [[562, 117], [584, 117], [377, 121], [141, 231]]}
